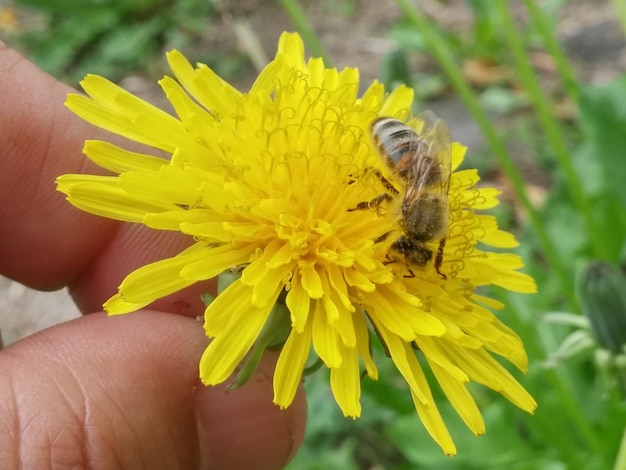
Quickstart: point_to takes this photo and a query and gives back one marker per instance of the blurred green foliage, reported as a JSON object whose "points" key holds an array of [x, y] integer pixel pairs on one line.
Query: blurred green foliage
{"points": [[108, 37]]}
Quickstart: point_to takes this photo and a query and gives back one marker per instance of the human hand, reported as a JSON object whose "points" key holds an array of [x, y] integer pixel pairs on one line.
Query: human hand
{"points": [[98, 392]]}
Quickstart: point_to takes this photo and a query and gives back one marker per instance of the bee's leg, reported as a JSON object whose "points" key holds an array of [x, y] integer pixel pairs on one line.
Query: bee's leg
{"points": [[410, 275], [388, 186], [383, 237], [439, 258], [354, 177], [374, 203], [376, 172], [389, 259]]}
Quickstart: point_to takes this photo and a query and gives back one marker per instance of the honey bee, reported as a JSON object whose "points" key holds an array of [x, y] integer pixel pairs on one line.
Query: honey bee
{"points": [[420, 156]]}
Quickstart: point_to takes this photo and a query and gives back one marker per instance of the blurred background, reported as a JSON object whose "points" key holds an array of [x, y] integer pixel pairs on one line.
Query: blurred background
{"points": [[535, 89]]}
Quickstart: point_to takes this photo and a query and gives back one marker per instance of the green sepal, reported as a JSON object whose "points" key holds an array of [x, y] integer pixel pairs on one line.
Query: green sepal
{"points": [[308, 370], [273, 335], [207, 298], [225, 279]]}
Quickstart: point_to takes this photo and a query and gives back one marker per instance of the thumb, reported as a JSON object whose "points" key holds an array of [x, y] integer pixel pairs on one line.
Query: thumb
{"points": [[123, 392]]}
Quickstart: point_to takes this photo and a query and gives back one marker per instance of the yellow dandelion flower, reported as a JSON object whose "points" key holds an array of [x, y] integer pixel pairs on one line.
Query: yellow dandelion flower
{"points": [[267, 182]]}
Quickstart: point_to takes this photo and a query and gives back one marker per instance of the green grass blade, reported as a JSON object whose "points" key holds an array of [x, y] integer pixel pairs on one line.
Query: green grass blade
{"points": [[300, 20]]}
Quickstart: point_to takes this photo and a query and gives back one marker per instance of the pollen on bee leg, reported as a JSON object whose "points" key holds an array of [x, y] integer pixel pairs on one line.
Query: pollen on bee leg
{"points": [[439, 258], [361, 206], [383, 237], [375, 203]]}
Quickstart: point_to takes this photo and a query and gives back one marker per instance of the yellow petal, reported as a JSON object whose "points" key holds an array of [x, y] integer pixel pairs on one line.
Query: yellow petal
{"points": [[325, 338], [434, 425], [460, 398], [228, 349], [345, 382], [311, 281], [290, 365], [120, 160], [161, 278], [299, 304]]}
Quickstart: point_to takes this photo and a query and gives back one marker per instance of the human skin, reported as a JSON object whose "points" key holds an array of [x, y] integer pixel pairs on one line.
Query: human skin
{"points": [[104, 392]]}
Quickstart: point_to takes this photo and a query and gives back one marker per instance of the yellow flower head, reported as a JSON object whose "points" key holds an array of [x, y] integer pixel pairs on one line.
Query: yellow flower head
{"points": [[285, 183]]}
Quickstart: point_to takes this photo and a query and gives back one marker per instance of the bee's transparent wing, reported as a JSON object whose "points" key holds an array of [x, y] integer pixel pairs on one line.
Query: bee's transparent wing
{"points": [[435, 159]]}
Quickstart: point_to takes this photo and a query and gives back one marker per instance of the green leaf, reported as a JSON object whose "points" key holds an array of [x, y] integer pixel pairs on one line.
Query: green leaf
{"points": [[395, 69], [603, 119], [128, 42]]}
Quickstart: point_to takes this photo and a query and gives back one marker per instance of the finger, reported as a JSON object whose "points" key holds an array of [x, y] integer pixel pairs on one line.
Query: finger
{"points": [[123, 392], [283, 434], [43, 241], [134, 246], [46, 243]]}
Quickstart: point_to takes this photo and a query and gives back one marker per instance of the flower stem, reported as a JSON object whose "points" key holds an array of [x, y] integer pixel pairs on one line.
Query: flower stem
{"points": [[299, 18], [440, 49]]}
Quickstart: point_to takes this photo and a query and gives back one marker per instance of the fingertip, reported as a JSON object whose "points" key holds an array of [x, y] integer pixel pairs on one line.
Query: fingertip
{"points": [[127, 387], [241, 429], [41, 139]]}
